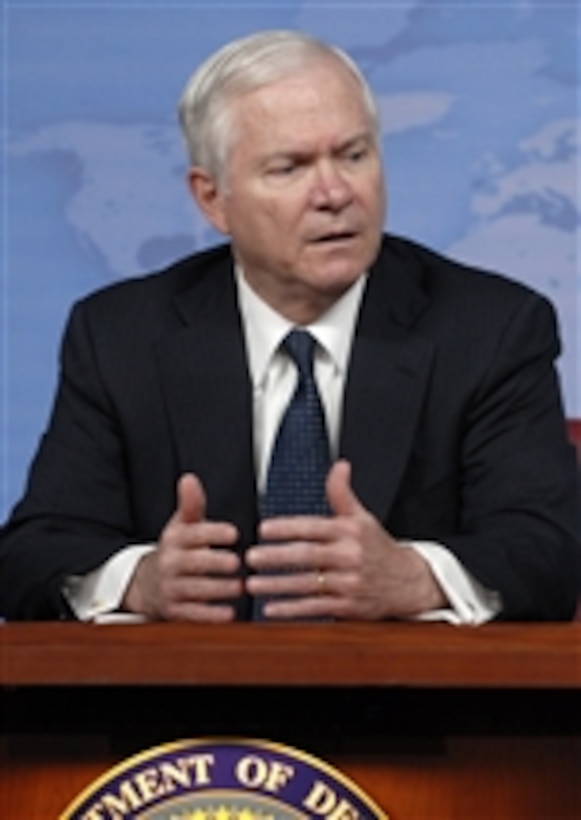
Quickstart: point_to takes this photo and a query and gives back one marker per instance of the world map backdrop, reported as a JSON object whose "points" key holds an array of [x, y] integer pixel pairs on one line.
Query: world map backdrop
{"points": [[480, 130]]}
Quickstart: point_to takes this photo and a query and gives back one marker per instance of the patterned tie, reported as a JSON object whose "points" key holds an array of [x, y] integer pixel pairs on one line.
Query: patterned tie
{"points": [[300, 457]]}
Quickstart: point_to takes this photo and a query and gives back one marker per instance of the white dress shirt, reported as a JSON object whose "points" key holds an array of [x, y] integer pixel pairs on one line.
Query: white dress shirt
{"points": [[97, 595]]}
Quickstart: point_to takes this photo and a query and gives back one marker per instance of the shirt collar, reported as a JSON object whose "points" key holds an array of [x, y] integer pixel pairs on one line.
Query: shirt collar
{"points": [[264, 328]]}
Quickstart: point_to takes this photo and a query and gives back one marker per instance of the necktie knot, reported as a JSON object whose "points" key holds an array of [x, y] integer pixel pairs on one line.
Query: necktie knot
{"points": [[300, 346]]}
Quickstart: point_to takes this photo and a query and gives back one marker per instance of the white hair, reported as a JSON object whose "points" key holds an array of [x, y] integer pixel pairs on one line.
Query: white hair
{"points": [[242, 66]]}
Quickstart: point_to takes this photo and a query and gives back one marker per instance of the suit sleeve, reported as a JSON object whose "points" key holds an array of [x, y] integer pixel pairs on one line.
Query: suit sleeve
{"points": [[517, 511], [76, 511]]}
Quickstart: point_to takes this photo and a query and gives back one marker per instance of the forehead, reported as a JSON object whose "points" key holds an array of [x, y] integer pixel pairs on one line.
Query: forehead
{"points": [[320, 99]]}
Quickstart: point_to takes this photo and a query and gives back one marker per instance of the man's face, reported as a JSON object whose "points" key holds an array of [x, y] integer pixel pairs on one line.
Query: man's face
{"points": [[303, 198]]}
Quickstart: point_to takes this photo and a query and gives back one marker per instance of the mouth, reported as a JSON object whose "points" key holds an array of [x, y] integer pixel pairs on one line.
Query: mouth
{"points": [[334, 237]]}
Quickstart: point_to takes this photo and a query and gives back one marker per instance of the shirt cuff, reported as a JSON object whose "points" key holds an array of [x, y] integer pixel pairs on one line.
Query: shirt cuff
{"points": [[470, 602], [98, 595]]}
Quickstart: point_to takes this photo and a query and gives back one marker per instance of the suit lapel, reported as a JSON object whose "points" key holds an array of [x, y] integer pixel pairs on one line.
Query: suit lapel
{"points": [[205, 380], [387, 380], [209, 398]]}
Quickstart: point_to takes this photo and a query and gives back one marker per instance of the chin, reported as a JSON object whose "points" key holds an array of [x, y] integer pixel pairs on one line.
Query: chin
{"points": [[344, 267], [350, 258], [336, 280]]}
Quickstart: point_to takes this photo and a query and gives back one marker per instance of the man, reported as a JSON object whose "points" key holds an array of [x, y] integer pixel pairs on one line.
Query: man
{"points": [[451, 489]]}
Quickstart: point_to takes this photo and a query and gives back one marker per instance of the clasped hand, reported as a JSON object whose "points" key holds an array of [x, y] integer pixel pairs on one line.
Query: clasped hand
{"points": [[346, 566]]}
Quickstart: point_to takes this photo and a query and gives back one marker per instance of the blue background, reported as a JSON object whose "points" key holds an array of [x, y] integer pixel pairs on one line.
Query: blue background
{"points": [[480, 132]]}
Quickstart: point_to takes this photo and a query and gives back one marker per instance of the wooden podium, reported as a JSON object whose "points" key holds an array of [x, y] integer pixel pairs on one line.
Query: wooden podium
{"points": [[433, 722]]}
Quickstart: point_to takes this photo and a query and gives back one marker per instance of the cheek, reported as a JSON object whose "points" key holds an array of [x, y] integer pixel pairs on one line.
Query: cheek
{"points": [[282, 217], [370, 188], [373, 203], [381, 196]]}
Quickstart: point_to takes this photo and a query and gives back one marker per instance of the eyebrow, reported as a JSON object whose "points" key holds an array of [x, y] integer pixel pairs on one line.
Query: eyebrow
{"points": [[362, 136], [366, 137]]}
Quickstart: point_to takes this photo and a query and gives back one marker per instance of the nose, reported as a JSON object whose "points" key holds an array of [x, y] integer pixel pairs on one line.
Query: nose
{"points": [[331, 190]]}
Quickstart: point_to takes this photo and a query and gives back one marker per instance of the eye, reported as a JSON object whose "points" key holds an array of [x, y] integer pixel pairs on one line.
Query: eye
{"points": [[355, 155], [282, 169]]}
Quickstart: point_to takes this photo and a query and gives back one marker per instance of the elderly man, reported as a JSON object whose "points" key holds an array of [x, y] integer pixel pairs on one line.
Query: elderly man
{"points": [[314, 421]]}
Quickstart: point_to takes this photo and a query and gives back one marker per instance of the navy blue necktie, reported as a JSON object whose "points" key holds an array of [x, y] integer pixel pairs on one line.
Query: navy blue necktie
{"points": [[300, 458]]}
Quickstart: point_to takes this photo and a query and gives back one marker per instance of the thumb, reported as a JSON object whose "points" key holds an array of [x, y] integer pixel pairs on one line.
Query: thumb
{"points": [[340, 495], [191, 501]]}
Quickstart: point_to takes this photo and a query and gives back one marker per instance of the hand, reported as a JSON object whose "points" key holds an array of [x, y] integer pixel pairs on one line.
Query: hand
{"points": [[186, 578], [347, 566]]}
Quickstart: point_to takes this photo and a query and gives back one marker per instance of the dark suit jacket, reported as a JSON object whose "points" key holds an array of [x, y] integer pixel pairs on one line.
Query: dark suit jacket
{"points": [[452, 421]]}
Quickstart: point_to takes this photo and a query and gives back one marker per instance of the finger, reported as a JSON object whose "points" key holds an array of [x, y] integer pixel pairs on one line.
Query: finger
{"points": [[204, 589], [179, 543], [191, 503], [340, 495], [298, 584], [199, 612], [298, 528], [200, 561], [207, 533], [295, 554], [300, 609]]}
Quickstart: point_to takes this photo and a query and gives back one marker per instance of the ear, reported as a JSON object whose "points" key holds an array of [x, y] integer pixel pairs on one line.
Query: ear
{"points": [[209, 197]]}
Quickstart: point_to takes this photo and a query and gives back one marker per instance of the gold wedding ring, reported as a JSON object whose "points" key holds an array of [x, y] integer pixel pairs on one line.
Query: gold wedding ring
{"points": [[321, 583]]}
